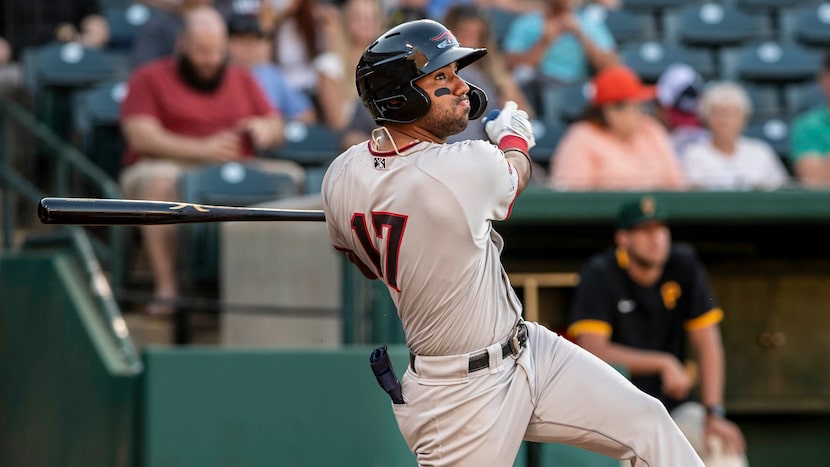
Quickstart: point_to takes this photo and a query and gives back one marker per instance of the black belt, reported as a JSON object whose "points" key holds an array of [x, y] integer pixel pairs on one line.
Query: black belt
{"points": [[512, 346]]}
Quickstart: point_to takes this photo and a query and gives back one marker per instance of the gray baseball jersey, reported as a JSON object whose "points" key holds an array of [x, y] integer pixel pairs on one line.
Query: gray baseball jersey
{"points": [[452, 295]]}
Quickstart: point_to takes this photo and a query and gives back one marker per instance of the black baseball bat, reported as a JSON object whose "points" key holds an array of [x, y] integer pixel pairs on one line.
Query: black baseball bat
{"points": [[95, 211]]}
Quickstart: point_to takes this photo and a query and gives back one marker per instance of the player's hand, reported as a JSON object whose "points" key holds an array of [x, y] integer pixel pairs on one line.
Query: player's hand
{"points": [[509, 121], [727, 433], [675, 380]]}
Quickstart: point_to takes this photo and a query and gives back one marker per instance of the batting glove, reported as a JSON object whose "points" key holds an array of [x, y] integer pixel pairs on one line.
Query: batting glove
{"points": [[509, 122]]}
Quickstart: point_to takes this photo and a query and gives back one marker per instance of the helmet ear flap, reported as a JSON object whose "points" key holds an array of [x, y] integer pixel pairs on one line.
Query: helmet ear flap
{"points": [[478, 101]]}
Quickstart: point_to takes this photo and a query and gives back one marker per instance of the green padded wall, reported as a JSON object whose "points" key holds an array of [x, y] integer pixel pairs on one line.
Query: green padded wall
{"points": [[66, 399]]}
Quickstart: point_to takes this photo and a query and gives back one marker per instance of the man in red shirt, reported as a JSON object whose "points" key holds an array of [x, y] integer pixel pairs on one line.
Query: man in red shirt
{"points": [[184, 112]]}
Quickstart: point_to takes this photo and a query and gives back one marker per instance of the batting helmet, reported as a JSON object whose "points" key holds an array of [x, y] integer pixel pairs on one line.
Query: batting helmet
{"points": [[387, 71]]}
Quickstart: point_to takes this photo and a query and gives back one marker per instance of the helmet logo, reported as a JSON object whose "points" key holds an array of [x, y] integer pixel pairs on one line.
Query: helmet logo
{"points": [[444, 40]]}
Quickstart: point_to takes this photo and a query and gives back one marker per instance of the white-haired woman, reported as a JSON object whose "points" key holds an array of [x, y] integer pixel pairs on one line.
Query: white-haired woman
{"points": [[726, 160]]}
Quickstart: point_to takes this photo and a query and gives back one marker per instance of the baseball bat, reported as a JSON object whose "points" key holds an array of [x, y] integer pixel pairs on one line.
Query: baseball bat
{"points": [[94, 211]]}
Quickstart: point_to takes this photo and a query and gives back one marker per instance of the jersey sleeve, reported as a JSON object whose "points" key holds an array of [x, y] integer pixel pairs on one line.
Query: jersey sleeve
{"points": [[703, 309], [484, 181], [592, 306]]}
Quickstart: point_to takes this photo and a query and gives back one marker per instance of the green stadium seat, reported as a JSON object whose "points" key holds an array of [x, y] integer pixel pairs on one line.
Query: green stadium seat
{"points": [[775, 62], [808, 25], [97, 122], [124, 22], [801, 97], [649, 59], [625, 26], [715, 25]]}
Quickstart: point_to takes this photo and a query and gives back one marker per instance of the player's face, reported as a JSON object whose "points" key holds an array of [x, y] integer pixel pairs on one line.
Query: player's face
{"points": [[648, 244], [450, 108]]}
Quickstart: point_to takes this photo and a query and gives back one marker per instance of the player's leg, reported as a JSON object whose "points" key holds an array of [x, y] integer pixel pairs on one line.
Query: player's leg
{"points": [[582, 401], [467, 421]]}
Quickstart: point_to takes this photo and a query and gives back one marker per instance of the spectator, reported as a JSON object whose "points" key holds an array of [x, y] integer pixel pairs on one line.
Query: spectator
{"points": [[726, 160], [561, 43], [359, 25], [471, 28], [639, 306], [810, 137], [31, 24], [249, 48], [300, 29], [157, 37], [678, 90], [617, 146], [184, 112]]}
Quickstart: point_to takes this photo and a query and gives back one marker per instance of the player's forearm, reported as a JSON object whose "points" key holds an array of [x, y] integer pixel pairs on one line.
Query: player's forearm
{"points": [[706, 344], [638, 362]]}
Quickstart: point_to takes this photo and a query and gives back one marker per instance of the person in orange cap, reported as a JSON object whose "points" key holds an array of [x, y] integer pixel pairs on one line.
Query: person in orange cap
{"points": [[616, 145]]}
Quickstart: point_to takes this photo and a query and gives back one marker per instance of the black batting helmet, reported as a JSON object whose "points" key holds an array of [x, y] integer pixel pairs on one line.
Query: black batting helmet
{"points": [[386, 73]]}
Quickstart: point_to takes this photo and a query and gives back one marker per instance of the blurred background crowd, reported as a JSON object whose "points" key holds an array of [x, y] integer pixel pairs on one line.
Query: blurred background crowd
{"points": [[624, 95]]}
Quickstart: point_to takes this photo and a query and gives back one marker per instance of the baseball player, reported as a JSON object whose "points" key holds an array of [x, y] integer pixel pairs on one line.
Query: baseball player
{"points": [[640, 305], [416, 213]]}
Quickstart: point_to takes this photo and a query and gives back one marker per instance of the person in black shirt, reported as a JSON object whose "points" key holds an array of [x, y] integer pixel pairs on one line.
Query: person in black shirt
{"points": [[640, 305]]}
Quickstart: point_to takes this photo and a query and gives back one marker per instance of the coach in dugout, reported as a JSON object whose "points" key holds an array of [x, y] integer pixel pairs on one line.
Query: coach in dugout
{"points": [[185, 112], [638, 306]]}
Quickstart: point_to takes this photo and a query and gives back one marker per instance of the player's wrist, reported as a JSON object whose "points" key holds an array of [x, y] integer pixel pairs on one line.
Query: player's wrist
{"points": [[514, 142]]}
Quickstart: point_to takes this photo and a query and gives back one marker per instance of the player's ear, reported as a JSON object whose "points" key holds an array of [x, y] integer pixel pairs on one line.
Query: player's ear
{"points": [[621, 238], [478, 101]]}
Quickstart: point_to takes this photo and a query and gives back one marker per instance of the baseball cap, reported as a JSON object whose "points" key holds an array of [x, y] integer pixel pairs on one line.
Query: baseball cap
{"points": [[239, 25], [679, 87], [638, 211], [618, 83]]}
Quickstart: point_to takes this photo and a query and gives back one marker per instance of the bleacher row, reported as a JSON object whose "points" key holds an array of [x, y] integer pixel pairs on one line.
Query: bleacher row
{"points": [[771, 47]]}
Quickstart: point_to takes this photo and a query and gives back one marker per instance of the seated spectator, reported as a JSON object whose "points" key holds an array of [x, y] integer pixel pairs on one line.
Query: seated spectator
{"points": [[726, 160], [617, 146], [559, 44], [249, 48], [157, 37], [299, 29], [810, 137], [360, 23], [184, 112], [471, 28], [678, 90], [28, 23], [640, 305]]}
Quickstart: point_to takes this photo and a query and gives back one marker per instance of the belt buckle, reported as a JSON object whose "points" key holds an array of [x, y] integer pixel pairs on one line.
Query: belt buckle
{"points": [[517, 339]]}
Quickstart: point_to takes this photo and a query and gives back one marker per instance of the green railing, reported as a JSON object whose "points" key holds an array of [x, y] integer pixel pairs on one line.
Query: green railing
{"points": [[68, 163]]}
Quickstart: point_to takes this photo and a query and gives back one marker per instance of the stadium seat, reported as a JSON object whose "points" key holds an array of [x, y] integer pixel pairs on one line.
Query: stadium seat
{"points": [[309, 145], [124, 22], [97, 121], [775, 131], [774, 62], [574, 101], [766, 100], [53, 72], [231, 184], [652, 5], [808, 25], [547, 138], [715, 25], [770, 4], [801, 97], [625, 26], [649, 59]]}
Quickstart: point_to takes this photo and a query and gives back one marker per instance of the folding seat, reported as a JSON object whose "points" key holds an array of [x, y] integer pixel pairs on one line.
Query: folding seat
{"points": [[123, 24], [801, 97], [775, 131], [807, 25], [98, 124], [625, 26], [715, 25], [776, 62], [649, 59]]}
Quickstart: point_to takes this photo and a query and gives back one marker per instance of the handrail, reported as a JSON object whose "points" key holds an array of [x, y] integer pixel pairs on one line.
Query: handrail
{"points": [[66, 157]]}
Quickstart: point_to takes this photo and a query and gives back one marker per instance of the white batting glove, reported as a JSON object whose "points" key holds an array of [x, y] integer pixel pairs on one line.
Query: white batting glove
{"points": [[509, 121]]}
